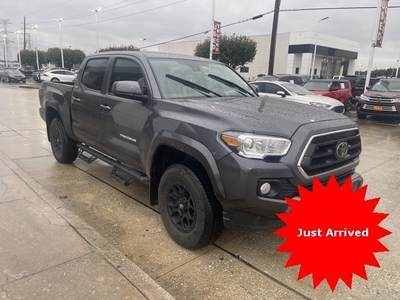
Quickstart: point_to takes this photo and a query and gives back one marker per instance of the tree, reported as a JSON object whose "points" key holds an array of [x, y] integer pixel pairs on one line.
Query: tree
{"points": [[71, 57], [120, 48], [235, 51], [28, 57]]}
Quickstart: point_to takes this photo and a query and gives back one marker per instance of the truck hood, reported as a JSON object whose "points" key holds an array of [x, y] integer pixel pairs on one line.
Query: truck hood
{"points": [[261, 115]]}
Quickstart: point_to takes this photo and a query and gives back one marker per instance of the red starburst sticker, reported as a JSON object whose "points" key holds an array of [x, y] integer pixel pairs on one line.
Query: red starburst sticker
{"points": [[332, 232]]}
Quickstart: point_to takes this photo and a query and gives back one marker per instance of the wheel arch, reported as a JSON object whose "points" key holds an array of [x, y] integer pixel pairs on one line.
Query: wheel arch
{"points": [[53, 111], [180, 149]]}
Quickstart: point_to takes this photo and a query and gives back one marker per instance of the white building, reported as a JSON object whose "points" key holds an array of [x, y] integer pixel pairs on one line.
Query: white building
{"points": [[293, 54]]}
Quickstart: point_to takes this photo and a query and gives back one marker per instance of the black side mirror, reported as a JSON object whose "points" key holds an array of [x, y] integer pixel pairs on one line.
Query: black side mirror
{"points": [[128, 89]]}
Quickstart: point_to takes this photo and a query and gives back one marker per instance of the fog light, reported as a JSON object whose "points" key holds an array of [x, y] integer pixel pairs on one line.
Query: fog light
{"points": [[265, 188]]}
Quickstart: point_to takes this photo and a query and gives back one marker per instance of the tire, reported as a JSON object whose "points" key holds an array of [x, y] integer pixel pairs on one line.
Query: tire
{"points": [[55, 80], [348, 105], [361, 116], [189, 210], [63, 147]]}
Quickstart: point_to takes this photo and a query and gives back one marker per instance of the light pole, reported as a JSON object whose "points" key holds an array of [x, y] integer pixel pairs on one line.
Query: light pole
{"points": [[212, 28], [36, 50], [359, 69], [397, 69], [5, 49], [143, 39], [19, 51], [96, 11], [315, 46], [62, 52]]}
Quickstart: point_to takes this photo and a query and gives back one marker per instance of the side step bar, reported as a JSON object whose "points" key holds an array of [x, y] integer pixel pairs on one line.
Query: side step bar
{"points": [[132, 173]]}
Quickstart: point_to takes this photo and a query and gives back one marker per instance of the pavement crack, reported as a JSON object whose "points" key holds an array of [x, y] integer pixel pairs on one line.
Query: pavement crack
{"points": [[276, 280]]}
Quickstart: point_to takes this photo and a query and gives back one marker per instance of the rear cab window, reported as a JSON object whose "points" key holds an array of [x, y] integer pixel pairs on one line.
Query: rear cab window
{"points": [[93, 73]]}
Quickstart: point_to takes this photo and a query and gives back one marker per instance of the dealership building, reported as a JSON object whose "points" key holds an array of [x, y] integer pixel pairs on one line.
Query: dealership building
{"points": [[293, 54]]}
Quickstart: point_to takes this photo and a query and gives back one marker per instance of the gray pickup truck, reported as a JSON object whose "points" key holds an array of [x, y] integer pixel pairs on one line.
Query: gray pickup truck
{"points": [[212, 152]]}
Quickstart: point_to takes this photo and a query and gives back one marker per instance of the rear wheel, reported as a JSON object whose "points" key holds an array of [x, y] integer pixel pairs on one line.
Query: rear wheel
{"points": [[189, 210], [55, 80], [63, 147]]}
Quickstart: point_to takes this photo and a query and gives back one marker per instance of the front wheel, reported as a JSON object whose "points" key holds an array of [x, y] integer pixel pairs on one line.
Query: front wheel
{"points": [[55, 80], [63, 147], [348, 105], [189, 210]]}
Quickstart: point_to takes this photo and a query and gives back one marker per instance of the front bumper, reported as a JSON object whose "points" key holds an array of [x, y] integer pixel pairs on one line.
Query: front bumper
{"points": [[378, 108], [245, 208]]}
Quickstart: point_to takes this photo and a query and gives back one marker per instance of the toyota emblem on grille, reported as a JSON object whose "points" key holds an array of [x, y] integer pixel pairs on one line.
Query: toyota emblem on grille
{"points": [[341, 150]]}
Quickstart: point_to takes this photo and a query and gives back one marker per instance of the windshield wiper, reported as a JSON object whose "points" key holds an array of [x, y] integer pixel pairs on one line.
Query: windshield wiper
{"points": [[231, 84], [193, 85]]}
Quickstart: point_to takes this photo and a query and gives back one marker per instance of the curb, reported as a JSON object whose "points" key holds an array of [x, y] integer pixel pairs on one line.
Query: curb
{"points": [[132, 273]]}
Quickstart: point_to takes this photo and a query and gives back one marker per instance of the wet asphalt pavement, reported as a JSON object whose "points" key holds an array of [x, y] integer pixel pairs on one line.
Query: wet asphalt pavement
{"points": [[239, 265]]}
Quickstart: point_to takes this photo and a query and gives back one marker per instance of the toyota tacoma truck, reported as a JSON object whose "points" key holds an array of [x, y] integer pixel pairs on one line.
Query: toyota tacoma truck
{"points": [[212, 152]]}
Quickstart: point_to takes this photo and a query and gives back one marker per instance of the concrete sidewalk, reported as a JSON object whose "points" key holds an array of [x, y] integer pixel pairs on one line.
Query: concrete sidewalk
{"points": [[47, 252]]}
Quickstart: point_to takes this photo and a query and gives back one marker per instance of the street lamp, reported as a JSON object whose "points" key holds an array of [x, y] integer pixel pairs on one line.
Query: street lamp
{"points": [[5, 49], [97, 10], [316, 45], [62, 52], [19, 51], [36, 50]]}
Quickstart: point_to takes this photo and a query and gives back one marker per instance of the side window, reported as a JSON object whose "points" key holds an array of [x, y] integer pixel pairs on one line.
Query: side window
{"points": [[271, 88], [93, 73], [126, 70], [261, 87]]}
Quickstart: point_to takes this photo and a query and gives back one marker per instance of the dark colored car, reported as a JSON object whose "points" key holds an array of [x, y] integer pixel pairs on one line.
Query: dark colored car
{"points": [[337, 89], [288, 78], [12, 75], [27, 71], [382, 99], [357, 85]]}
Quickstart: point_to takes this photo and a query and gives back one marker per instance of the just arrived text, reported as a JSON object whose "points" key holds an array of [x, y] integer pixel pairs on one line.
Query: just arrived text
{"points": [[332, 232]]}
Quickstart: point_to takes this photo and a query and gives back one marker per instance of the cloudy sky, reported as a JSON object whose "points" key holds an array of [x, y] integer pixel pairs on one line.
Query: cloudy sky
{"points": [[129, 22]]}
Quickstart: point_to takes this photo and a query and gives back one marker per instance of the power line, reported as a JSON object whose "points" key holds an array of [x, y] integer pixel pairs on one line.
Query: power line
{"points": [[267, 13]]}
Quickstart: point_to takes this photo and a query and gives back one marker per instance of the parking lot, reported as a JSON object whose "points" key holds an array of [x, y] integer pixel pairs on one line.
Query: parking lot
{"points": [[239, 265]]}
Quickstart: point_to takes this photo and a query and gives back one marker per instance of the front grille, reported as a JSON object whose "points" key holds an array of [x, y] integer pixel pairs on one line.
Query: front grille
{"points": [[383, 100], [321, 155]]}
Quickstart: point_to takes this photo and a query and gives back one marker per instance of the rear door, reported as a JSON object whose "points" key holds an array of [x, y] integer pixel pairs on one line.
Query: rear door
{"points": [[85, 101]]}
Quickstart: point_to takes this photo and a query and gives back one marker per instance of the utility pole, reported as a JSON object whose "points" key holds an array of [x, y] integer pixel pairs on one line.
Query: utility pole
{"points": [[273, 38]]}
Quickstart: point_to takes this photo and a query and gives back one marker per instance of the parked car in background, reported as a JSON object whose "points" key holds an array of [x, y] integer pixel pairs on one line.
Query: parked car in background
{"points": [[58, 76], [27, 71], [308, 77], [358, 84], [12, 75], [382, 99], [37, 75], [293, 92], [288, 78], [337, 89]]}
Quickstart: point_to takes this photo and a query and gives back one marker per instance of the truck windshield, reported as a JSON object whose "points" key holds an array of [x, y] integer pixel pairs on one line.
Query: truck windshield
{"points": [[182, 78]]}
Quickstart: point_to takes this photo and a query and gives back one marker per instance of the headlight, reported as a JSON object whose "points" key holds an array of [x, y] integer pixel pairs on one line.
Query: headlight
{"points": [[319, 104], [256, 146], [365, 98]]}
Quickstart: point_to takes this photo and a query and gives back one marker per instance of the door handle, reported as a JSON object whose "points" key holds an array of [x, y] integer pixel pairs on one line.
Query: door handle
{"points": [[105, 107], [76, 100]]}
